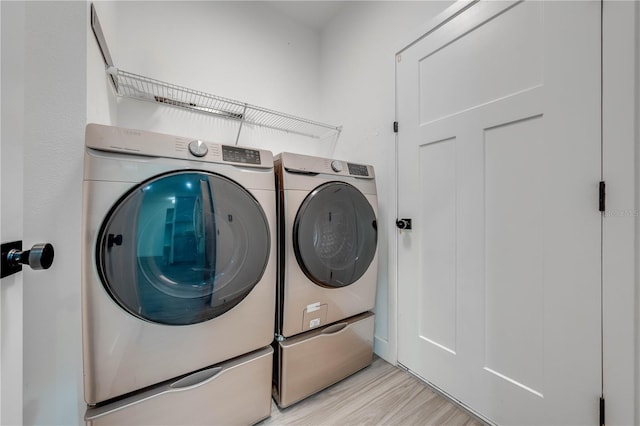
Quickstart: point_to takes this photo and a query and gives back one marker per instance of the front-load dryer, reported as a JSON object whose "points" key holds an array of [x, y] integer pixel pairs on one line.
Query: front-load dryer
{"points": [[178, 257], [328, 241], [327, 250]]}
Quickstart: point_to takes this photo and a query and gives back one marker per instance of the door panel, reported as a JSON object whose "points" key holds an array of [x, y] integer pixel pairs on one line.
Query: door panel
{"points": [[438, 217], [481, 53], [499, 163], [514, 252]]}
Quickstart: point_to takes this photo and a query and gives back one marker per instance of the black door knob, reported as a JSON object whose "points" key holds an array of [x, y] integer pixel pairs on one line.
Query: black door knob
{"points": [[403, 223], [39, 257]]}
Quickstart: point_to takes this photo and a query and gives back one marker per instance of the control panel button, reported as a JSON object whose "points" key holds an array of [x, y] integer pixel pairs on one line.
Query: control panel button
{"points": [[336, 166], [198, 148]]}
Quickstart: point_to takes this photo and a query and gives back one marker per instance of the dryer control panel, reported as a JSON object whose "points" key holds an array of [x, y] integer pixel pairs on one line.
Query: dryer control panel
{"points": [[358, 169], [299, 163]]}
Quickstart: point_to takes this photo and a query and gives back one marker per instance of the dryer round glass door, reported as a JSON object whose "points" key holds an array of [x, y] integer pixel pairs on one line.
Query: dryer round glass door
{"points": [[183, 248], [335, 235]]}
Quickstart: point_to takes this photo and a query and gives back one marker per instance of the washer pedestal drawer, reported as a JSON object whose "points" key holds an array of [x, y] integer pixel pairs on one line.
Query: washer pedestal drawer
{"points": [[311, 361], [234, 392]]}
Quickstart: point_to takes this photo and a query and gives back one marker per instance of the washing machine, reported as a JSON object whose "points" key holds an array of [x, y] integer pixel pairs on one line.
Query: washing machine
{"points": [[328, 266], [178, 265]]}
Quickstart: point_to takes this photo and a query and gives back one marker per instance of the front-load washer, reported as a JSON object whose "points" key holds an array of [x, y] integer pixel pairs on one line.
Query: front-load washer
{"points": [[328, 261], [178, 257], [234, 392]]}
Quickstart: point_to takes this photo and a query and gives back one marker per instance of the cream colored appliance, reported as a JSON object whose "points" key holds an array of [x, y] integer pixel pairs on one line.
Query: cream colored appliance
{"points": [[178, 263], [327, 244], [229, 393]]}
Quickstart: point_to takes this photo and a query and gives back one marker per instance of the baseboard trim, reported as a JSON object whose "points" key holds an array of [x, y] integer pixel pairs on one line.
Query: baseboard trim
{"points": [[384, 350]]}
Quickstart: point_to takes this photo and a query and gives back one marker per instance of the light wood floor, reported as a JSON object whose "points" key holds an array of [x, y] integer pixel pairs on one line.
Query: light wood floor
{"points": [[381, 394]]}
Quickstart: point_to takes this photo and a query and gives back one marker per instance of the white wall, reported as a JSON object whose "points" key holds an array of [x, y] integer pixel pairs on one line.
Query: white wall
{"points": [[54, 120], [11, 124], [245, 51], [358, 90]]}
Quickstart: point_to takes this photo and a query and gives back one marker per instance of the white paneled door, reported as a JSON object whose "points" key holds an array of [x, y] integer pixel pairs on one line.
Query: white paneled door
{"points": [[499, 279]]}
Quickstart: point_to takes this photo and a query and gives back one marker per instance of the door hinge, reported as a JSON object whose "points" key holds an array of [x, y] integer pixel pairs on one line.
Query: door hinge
{"points": [[601, 196], [602, 423], [395, 127]]}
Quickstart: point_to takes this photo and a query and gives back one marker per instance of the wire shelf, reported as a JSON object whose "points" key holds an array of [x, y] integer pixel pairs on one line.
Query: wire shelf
{"points": [[144, 88]]}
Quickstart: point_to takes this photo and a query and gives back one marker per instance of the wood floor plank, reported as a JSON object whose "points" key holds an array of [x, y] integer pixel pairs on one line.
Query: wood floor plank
{"points": [[380, 394]]}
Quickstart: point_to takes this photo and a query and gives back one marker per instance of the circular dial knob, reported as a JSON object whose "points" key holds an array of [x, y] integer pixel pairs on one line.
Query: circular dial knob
{"points": [[198, 148], [336, 166]]}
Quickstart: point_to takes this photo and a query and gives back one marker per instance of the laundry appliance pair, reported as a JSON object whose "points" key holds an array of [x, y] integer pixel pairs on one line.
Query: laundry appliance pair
{"points": [[192, 251]]}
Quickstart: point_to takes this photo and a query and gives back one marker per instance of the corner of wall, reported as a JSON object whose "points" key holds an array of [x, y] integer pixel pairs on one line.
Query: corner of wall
{"points": [[55, 113]]}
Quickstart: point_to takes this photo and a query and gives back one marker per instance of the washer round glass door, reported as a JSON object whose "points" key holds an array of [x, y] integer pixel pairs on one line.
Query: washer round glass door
{"points": [[183, 248], [335, 235]]}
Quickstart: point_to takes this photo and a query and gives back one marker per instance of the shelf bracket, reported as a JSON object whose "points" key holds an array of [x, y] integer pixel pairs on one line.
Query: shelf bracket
{"points": [[244, 114], [102, 43]]}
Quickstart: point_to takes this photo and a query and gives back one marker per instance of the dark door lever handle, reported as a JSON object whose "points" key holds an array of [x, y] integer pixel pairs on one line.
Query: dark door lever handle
{"points": [[403, 223]]}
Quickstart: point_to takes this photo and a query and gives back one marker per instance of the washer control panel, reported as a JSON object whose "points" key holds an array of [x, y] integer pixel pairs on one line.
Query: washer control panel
{"points": [[151, 144], [336, 166], [235, 154]]}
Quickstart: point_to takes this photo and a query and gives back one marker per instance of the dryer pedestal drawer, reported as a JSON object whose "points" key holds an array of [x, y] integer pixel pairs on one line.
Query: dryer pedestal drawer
{"points": [[235, 392], [312, 361]]}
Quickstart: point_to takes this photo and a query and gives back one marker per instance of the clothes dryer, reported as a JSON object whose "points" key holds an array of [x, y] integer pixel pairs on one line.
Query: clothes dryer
{"points": [[328, 265], [178, 257], [328, 241]]}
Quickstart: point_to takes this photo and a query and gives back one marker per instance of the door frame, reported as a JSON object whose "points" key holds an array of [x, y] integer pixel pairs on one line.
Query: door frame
{"points": [[621, 223], [11, 216], [621, 220]]}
